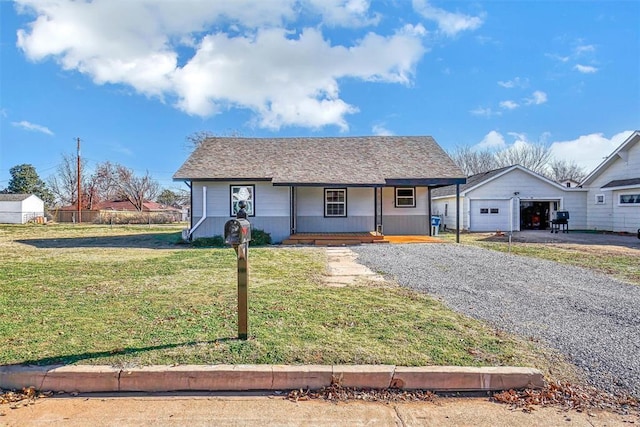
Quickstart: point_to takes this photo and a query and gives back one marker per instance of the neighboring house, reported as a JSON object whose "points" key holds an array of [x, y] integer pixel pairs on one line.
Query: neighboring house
{"points": [[509, 199], [569, 183], [613, 200], [20, 208], [317, 185], [121, 211]]}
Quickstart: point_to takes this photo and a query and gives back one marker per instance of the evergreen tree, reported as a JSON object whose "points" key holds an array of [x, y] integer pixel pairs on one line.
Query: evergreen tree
{"points": [[25, 180]]}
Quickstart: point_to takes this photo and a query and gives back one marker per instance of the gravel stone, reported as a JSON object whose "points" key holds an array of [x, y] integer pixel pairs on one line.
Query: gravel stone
{"points": [[590, 317]]}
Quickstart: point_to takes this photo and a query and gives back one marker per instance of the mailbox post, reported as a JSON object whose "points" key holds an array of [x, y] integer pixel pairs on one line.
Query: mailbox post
{"points": [[237, 233]]}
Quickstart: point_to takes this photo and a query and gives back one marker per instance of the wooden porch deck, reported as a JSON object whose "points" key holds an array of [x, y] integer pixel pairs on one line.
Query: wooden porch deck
{"points": [[338, 239]]}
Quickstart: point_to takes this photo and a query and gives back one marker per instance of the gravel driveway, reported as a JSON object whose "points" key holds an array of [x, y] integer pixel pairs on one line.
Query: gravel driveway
{"points": [[588, 316]]}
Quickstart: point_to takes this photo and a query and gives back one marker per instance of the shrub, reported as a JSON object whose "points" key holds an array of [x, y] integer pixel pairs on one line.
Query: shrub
{"points": [[258, 238], [209, 242]]}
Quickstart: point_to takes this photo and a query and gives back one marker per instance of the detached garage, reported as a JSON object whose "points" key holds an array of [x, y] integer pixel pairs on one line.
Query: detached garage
{"points": [[20, 208], [509, 199]]}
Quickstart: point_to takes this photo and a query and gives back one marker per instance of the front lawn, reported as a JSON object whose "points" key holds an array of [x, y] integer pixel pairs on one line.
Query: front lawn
{"points": [[132, 296]]}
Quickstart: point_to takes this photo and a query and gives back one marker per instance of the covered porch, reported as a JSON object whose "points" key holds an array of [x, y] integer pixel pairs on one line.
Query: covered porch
{"points": [[340, 239]]}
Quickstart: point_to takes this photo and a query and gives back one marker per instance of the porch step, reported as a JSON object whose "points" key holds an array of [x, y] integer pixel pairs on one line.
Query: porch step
{"points": [[332, 239]]}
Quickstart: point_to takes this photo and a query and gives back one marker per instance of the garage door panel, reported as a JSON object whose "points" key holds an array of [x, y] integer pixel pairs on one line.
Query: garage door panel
{"points": [[489, 215]]}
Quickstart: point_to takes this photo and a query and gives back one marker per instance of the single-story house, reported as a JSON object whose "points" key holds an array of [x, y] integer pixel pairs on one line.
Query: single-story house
{"points": [[20, 208], [613, 200], [317, 185], [509, 199]]}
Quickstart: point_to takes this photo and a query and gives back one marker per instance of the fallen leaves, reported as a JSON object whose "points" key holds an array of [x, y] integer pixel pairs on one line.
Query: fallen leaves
{"points": [[568, 396], [337, 393], [16, 399]]}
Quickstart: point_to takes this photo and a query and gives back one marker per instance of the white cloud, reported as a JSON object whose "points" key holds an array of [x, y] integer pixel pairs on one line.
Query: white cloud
{"points": [[538, 97], [485, 112], [582, 49], [448, 22], [32, 127], [238, 54], [345, 12], [516, 82], [590, 150], [509, 105], [381, 130], [586, 69], [491, 141]]}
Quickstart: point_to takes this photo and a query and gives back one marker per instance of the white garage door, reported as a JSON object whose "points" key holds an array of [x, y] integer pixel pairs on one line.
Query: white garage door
{"points": [[489, 215]]}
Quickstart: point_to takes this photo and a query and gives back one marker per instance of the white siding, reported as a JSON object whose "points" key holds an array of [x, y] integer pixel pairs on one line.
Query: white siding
{"points": [[310, 211], [10, 212], [271, 208], [389, 202], [503, 189], [449, 220], [609, 216], [19, 212], [490, 221]]}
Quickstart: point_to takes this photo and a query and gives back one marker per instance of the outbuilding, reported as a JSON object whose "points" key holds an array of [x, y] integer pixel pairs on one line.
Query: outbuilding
{"points": [[20, 208], [513, 198]]}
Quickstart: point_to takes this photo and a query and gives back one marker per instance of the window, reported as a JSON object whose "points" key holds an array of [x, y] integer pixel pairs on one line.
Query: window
{"points": [[599, 199], [405, 197], [446, 209], [487, 211], [335, 202], [242, 192], [630, 199]]}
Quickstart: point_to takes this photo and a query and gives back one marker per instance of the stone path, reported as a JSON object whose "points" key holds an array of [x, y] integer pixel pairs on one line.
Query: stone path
{"points": [[343, 269]]}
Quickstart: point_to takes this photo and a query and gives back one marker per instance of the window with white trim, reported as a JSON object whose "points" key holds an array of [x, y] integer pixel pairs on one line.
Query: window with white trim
{"points": [[599, 199], [629, 199], [494, 210], [484, 211], [405, 197], [335, 202]]}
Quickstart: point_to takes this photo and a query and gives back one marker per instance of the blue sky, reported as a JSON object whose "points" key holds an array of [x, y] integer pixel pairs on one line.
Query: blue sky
{"points": [[133, 78]]}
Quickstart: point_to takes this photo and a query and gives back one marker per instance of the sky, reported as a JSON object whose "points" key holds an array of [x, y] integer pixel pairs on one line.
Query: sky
{"points": [[133, 78]]}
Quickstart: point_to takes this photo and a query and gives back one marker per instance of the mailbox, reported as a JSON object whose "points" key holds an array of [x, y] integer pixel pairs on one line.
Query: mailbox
{"points": [[237, 232]]}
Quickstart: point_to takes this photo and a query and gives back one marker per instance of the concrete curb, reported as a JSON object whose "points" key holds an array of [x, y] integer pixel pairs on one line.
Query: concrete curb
{"points": [[89, 379]]}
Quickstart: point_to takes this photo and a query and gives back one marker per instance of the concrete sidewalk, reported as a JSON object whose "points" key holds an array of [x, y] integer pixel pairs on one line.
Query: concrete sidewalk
{"points": [[272, 410]]}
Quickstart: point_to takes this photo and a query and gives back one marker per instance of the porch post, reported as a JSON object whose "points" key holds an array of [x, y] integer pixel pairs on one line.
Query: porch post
{"points": [[292, 210], [429, 211], [375, 209], [457, 213]]}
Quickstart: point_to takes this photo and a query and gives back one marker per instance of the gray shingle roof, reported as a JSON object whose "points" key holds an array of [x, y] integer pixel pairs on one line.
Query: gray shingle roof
{"points": [[13, 197], [372, 160], [472, 181], [622, 183]]}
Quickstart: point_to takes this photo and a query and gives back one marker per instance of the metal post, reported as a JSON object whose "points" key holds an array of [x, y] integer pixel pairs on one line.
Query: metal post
{"points": [[243, 279]]}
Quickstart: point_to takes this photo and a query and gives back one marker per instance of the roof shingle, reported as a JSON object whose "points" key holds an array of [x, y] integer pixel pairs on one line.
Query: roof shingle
{"points": [[369, 160]]}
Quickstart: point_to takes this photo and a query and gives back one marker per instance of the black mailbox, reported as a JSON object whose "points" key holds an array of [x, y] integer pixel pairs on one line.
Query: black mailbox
{"points": [[237, 232]]}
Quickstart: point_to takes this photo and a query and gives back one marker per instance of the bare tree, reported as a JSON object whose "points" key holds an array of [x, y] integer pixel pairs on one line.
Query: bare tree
{"points": [[473, 162], [64, 184], [561, 170], [103, 184], [196, 139], [136, 189], [532, 156]]}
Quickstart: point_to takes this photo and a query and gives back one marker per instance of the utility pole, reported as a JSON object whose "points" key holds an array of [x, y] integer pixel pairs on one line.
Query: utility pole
{"points": [[79, 187]]}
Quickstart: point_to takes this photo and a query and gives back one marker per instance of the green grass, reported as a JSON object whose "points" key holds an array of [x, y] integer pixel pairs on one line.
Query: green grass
{"points": [[132, 296], [621, 263]]}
